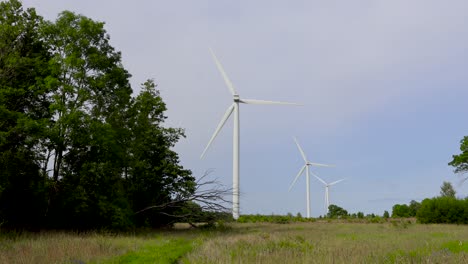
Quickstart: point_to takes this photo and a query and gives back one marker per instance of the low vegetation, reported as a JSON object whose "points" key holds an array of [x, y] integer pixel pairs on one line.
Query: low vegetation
{"points": [[67, 247], [322, 241]]}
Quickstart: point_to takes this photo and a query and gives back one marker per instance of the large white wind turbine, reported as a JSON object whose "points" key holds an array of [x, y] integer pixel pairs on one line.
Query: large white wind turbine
{"points": [[234, 108], [327, 185], [306, 167]]}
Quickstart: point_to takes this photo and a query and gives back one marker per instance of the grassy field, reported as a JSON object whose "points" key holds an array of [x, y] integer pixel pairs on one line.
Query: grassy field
{"points": [[317, 242]]}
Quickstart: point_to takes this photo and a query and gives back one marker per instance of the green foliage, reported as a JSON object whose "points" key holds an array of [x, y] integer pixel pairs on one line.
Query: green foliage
{"points": [[404, 210], [414, 208], [443, 210], [153, 173], [456, 246], [335, 211], [76, 150], [278, 219], [163, 250], [376, 219], [460, 161], [386, 215], [446, 190], [401, 210], [24, 111]]}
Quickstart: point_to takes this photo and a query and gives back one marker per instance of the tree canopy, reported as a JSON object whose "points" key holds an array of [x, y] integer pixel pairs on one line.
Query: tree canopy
{"points": [[446, 190], [334, 211], [460, 161], [77, 150]]}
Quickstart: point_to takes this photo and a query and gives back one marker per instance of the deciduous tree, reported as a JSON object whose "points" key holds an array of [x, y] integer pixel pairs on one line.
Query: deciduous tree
{"points": [[400, 210], [23, 115], [460, 161], [334, 211], [446, 190]]}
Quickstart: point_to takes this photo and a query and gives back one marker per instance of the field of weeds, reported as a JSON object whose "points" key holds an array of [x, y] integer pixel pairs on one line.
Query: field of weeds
{"points": [[323, 242], [67, 247], [312, 242]]}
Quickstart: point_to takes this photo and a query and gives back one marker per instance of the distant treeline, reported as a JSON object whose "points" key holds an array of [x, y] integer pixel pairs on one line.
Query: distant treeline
{"points": [[445, 208], [438, 210], [77, 150]]}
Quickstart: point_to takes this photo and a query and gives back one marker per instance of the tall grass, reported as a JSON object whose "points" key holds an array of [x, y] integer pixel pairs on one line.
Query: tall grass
{"points": [[302, 242], [56, 247], [61, 247], [322, 242]]}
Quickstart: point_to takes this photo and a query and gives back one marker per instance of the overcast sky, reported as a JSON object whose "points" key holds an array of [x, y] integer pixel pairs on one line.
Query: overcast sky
{"points": [[383, 83]]}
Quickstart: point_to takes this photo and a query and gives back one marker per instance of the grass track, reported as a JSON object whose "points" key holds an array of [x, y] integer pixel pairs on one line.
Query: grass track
{"points": [[157, 250]]}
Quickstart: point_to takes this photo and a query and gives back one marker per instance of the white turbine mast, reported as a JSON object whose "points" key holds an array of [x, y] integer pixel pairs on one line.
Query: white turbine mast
{"points": [[234, 107], [306, 167], [327, 192]]}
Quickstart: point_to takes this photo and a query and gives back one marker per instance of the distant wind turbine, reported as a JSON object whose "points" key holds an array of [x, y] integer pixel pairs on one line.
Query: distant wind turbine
{"points": [[235, 108], [327, 185], [306, 167]]}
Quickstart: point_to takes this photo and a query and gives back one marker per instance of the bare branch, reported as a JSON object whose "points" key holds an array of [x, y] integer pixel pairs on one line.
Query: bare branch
{"points": [[209, 194]]}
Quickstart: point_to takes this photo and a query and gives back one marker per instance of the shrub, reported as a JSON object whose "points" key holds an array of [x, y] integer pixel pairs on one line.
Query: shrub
{"points": [[443, 210]]}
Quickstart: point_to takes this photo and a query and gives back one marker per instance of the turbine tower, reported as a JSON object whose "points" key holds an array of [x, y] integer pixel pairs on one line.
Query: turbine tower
{"points": [[327, 185], [306, 167], [235, 143]]}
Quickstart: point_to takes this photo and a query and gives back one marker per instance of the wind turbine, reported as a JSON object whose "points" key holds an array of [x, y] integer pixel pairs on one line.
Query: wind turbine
{"points": [[306, 167], [327, 185], [235, 143]]}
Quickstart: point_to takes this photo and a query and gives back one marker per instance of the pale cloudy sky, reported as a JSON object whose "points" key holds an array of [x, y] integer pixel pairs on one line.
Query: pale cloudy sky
{"points": [[383, 83]]}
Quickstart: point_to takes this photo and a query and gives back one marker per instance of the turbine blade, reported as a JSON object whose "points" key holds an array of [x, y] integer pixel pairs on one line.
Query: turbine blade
{"points": [[263, 102], [335, 182], [220, 125], [320, 164], [223, 73], [300, 150], [297, 177], [318, 178]]}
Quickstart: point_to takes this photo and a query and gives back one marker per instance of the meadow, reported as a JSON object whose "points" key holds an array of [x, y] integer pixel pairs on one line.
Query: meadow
{"points": [[399, 241]]}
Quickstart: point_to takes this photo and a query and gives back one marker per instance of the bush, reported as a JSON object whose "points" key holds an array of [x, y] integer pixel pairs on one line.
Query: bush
{"points": [[401, 210], [443, 210], [386, 215]]}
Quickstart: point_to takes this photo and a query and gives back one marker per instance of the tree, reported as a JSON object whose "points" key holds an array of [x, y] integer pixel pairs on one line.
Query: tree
{"points": [[460, 161], [360, 215], [154, 174], [414, 208], [400, 210], [386, 214], [205, 204], [335, 211], [24, 105], [76, 149], [89, 89], [90, 85], [443, 209], [446, 190]]}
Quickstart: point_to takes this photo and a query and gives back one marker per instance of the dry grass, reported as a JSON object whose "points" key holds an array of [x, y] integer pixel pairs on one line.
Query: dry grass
{"points": [[336, 243], [61, 247], [318, 242], [57, 247]]}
